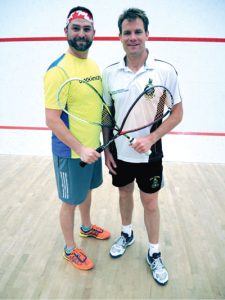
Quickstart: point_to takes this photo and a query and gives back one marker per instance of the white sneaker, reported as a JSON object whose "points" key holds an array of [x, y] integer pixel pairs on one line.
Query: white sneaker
{"points": [[158, 269], [120, 244]]}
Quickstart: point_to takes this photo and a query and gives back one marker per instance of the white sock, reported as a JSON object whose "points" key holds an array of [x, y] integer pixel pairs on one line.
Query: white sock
{"points": [[127, 229], [153, 248]]}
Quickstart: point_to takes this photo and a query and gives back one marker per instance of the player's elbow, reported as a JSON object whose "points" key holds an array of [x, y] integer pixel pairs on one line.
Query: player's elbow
{"points": [[48, 122], [50, 118], [180, 117], [178, 113]]}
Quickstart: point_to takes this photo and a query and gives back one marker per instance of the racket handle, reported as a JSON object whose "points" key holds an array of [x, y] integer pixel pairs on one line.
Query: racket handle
{"points": [[83, 164], [99, 150], [133, 140]]}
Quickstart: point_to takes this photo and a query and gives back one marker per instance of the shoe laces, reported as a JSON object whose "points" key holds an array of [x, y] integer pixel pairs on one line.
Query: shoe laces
{"points": [[96, 229], [121, 241], [78, 254], [157, 264]]}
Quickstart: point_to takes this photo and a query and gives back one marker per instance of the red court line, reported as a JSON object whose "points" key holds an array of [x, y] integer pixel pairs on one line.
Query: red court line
{"points": [[172, 132], [23, 128], [198, 133], [187, 39], [115, 38]]}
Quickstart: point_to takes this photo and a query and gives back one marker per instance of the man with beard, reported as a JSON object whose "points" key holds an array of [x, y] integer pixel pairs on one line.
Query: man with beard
{"points": [[69, 143]]}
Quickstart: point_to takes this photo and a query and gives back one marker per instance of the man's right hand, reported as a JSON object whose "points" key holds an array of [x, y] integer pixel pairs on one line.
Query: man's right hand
{"points": [[89, 155], [110, 162]]}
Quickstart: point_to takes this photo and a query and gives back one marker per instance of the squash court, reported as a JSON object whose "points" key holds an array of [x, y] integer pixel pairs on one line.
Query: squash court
{"points": [[192, 237]]}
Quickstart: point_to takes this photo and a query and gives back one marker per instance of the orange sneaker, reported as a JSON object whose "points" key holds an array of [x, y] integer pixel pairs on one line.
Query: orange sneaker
{"points": [[96, 232], [78, 259]]}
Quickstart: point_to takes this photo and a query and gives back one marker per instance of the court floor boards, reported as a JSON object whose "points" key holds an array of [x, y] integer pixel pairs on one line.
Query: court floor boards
{"points": [[192, 205]]}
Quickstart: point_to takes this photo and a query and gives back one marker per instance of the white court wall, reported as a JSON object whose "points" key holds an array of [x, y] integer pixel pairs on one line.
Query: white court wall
{"points": [[201, 68]]}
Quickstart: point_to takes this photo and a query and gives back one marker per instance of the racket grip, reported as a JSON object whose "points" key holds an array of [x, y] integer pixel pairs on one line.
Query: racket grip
{"points": [[82, 164], [132, 140], [99, 150]]}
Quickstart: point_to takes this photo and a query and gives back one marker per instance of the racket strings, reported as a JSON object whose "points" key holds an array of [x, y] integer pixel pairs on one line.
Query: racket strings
{"points": [[161, 106], [107, 119], [151, 107]]}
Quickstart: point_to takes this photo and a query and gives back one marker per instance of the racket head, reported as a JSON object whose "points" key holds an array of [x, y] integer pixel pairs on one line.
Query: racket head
{"points": [[83, 102], [150, 107]]}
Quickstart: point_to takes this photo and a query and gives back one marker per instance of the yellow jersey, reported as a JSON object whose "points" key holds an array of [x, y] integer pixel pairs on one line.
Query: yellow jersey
{"points": [[84, 103]]}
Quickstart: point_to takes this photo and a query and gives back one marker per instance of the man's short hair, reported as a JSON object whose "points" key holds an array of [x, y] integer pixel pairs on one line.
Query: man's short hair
{"points": [[132, 14]]}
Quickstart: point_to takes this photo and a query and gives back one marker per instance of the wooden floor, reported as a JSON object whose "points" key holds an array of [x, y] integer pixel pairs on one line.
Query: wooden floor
{"points": [[192, 237]]}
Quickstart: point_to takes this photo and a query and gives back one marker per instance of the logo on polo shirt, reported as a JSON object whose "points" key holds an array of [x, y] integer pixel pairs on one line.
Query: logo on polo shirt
{"points": [[149, 90]]}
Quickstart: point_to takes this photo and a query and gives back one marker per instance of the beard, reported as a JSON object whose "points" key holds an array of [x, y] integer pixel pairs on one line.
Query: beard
{"points": [[85, 45]]}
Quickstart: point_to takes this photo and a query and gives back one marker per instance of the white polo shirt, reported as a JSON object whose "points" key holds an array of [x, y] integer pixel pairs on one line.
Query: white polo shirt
{"points": [[121, 87]]}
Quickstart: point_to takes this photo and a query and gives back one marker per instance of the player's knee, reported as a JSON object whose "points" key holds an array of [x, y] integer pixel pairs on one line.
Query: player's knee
{"points": [[127, 190], [151, 204]]}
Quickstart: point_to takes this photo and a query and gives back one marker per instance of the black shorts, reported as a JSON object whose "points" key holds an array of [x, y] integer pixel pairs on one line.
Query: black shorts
{"points": [[149, 176]]}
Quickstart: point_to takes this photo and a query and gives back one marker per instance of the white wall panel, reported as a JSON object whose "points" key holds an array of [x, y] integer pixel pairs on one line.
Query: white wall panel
{"points": [[201, 67]]}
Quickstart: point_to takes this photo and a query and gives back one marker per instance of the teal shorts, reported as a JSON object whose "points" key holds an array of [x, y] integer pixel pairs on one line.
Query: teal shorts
{"points": [[73, 181]]}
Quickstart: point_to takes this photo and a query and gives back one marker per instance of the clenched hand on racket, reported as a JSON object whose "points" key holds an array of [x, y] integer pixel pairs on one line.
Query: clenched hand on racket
{"points": [[66, 96], [151, 107]]}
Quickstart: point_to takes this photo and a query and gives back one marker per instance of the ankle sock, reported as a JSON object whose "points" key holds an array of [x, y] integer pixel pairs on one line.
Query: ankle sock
{"points": [[127, 229], [153, 248], [85, 228], [69, 250]]}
